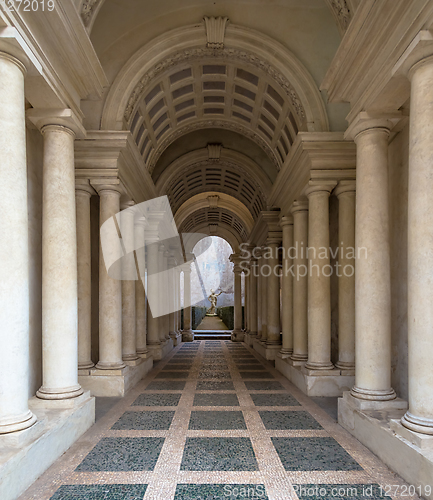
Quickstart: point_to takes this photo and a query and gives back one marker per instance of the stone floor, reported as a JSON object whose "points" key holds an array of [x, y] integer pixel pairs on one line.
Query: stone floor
{"points": [[212, 323], [213, 421]]}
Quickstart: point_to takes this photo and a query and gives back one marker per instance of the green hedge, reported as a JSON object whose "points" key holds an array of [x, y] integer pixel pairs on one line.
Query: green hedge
{"points": [[198, 313], [227, 315]]}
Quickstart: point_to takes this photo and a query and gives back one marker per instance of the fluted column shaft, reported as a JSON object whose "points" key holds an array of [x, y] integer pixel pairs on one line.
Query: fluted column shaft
{"points": [[167, 293], [346, 276], [162, 293], [300, 282], [319, 279], [110, 292], [83, 193], [287, 286], [129, 327], [247, 306], [372, 280], [172, 295], [59, 267], [259, 295], [419, 417], [14, 269], [273, 295]]}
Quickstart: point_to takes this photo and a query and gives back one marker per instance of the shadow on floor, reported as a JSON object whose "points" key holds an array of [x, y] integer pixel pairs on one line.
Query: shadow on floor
{"points": [[103, 406], [330, 405]]}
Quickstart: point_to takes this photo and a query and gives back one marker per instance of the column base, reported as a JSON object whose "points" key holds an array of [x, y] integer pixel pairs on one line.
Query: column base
{"points": [[311, 382], [59, 394], [406, 453], [317, 367], [104, 365], [285, 353], [237, 336], [372, 395], [115, 383], [19, 423], [130, 357], [160, 351], [86, 366], [176, 337], [267, 351], [187, 336], [249, 338], [416, 424], [29, 453]]}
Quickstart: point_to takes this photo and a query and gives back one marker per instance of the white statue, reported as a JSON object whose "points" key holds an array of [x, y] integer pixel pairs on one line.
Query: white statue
{"points": [[213, 298]]}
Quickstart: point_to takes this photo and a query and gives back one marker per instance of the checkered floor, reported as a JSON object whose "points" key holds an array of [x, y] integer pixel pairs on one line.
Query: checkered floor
{"points": [[213, 421]]}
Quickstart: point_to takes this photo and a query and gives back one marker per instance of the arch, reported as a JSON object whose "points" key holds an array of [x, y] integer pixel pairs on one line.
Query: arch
{"points": [[247, 182], [184, 44], [206, 201]]}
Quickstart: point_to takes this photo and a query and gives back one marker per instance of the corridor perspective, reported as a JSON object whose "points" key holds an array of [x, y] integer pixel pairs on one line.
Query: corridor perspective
{"points": [[216, 264], [215, 421]]}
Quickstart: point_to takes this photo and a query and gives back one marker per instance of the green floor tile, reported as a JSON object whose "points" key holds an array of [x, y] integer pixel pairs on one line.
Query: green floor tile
{"points": [[274, 400], [216, 420], [101, 492], [218, 454], [122, 455], [340, 492], [220, 491], [157, 400], [289, 420], [314, 454], [216, 400], [168, 385], [144, 421]]}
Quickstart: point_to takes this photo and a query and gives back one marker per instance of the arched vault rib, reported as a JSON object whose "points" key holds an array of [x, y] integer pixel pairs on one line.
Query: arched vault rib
{"points": [[254, 85], [232, 173]]}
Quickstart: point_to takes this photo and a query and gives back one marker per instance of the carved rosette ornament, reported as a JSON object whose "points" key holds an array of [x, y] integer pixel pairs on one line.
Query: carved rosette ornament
{"points": [[88, 8], [209, 53], [343, 13]]}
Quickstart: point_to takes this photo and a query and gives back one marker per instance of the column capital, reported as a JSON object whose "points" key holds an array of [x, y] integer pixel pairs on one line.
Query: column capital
{"points": [[373, 120], [286, 220], [127, 204], [101, 185], [299, 206], [66, 118], [418, 53], [83, 186], [319, 187], [345, 187]]}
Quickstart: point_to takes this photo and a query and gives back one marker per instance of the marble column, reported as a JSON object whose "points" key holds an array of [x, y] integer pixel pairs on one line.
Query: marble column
{"points": [[319, 277], [129, 327], [187, 309], [264, 296], [372, 279], [300, 282], [167, 292], [110, 290], [178, 306], [253, 298], [140, 294], [286, 224], [152, 290], [14, 269], [83, 193], [247, 306], [273, 295], [419, 417], [59, 267], [172, 294], [162, 289], [346, 193], [258, 269]]}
